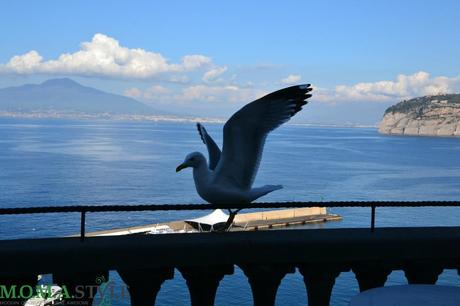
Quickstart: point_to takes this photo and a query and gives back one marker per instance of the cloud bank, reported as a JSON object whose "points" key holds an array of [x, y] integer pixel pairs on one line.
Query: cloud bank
{"points": [[103, 56], [196, 93], [404, 87], [196, 78], [386, 92]]}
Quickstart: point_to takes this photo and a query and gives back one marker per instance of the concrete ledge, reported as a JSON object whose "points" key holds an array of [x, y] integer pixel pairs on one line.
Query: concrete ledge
{"points": [[280, 214]]}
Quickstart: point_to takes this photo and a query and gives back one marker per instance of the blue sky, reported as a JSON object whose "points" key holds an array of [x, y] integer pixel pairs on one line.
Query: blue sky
{"points": [[352, 51]]}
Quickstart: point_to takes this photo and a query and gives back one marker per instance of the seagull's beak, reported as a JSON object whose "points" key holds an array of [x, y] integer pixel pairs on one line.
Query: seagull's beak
{"points": [[180, 167]]}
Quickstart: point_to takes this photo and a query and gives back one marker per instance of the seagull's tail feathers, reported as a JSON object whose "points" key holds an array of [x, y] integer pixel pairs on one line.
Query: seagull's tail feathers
{"points": [[258, 192]]}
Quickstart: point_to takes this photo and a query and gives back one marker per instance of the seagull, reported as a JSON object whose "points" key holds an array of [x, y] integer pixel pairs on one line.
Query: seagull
{"points": [[231, 172]]}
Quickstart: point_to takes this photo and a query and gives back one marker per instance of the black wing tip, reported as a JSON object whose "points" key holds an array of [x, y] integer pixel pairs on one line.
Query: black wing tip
{"points": [[301, 100], [298, 92], [200, 129], [302, 87], [305, 89]]}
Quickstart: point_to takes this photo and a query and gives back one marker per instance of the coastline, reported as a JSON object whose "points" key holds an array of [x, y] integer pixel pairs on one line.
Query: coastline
{"points": [[155, 118]]}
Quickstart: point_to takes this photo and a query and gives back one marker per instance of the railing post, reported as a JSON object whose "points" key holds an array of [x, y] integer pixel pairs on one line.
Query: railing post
{"points": [[371, 275], [422, 272], [82, 225], [319, 283], [202, 282], [144, 284], [372, 218], [265, 280]]}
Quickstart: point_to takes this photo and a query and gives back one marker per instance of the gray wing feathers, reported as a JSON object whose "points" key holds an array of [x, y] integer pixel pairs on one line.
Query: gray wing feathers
{"points": [[245, 132], [213, 149]]}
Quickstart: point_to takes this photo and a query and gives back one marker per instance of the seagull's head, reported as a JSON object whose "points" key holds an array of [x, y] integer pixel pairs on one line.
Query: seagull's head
{"points": [[193, 160]]}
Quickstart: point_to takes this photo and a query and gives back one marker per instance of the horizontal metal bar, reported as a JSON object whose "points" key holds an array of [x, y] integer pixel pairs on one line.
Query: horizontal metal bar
{"points": [[179, 207]]}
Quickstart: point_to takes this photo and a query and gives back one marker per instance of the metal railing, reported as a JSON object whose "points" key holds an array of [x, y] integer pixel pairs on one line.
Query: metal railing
{"points": [[319, 256], [83, 209]]}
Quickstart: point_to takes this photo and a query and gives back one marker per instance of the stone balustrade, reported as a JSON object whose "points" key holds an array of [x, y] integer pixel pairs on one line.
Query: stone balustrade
{"points": [[265, 257]]}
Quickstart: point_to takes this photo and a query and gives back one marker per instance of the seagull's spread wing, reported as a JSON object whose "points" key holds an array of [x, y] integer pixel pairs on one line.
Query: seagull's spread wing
{"points": [[246, 130], [213, 149]]}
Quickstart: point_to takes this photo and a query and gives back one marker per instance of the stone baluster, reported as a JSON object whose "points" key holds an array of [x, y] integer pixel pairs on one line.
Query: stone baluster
{"points": [[319, 282], [144, 284], [202, 282], [371, 275], [422, 272], [81, 286], [265, 280]]}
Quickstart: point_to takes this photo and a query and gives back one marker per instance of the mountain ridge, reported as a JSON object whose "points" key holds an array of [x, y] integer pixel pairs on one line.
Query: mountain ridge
{"points": [[68, 96]]}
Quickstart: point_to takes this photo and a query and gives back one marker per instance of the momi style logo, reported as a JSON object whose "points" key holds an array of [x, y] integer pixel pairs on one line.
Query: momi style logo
{"points": [[103, 292], [36, 296]]}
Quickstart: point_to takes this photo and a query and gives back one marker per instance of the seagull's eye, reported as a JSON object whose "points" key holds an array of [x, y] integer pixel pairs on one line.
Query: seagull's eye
{"points": [[192, 159]]}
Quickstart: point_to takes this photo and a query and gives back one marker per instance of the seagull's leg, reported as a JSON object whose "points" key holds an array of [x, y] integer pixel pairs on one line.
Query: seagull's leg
{"points": [[230, 219]]}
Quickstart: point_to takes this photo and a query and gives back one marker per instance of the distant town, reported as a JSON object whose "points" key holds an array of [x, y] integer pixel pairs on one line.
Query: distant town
{"points": [[104, 116], [155, 118]]}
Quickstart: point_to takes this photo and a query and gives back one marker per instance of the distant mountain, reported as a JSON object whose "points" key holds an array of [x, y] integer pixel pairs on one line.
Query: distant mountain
{"points": [[428, 116], [67, 96]]}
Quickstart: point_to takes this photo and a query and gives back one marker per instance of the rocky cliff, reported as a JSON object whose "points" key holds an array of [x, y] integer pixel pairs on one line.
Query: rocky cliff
{"points": [[425, 116]]}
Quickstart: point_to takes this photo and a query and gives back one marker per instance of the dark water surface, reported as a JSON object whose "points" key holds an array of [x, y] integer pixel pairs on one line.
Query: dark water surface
{"points": [[56, 162]]}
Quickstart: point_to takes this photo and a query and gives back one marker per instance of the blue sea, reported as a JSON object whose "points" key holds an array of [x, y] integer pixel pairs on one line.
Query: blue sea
{"points": [[58, 162]]}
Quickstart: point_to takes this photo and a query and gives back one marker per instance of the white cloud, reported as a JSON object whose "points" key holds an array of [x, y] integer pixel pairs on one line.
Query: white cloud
{"points": [[133, 92], [404, 87], [226, 93], [291, 79], [156, 91], [177, 78], [213, 73], [26, 63], [191, 62], [104, 56], [151, 93], [196, 93]]}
